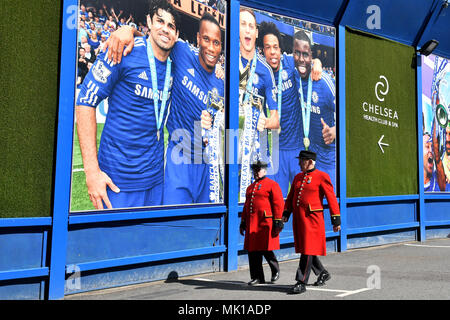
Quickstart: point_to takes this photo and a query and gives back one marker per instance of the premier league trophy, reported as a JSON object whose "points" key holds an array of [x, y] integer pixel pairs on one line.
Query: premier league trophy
{"points": [[440, 102], [212, 139], [440, 97], [249, 146]]}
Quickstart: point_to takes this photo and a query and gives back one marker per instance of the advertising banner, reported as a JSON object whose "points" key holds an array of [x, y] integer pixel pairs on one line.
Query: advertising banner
{"points": [[287, 96], [139, 140], [436, 124], [381, 118]]}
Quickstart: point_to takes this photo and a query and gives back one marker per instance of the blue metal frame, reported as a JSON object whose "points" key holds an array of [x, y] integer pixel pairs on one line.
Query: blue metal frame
{"points": [[342, 137], [127, 215], [56, 229], [63, 152], [422, 211], [233, 124]]}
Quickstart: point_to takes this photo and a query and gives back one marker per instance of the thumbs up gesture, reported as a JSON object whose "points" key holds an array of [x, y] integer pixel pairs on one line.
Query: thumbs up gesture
{"points": [[328, 133]]}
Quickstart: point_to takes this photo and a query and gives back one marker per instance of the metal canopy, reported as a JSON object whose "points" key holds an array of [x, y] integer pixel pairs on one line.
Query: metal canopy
{"points": [[411, 22]]}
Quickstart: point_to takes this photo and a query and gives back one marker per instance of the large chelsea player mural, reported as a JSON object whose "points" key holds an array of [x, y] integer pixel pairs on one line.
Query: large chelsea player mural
{"points": [[139, 140]]}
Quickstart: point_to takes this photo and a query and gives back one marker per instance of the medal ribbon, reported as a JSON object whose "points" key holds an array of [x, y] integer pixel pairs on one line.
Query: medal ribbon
{"points": [[280, 90], [249, 86], [306, 109], [250, 138], [213, 152], [159, 113]]}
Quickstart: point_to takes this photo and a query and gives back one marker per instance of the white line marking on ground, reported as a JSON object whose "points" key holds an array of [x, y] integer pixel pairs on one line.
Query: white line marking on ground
{"points": [[353, 292], [343, 293], [425, 246]]}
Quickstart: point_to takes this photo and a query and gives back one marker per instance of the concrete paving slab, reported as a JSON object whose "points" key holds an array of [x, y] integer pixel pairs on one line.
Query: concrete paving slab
{"points": [[402, 271]]}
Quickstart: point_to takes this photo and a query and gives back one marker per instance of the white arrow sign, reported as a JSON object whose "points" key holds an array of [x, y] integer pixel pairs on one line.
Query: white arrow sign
{"points": [[380, 144]]}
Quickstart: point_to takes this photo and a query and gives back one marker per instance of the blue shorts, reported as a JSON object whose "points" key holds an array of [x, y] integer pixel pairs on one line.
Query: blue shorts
{"points": [[330, 169], [144, 198], [185, 183], [288, 168]]}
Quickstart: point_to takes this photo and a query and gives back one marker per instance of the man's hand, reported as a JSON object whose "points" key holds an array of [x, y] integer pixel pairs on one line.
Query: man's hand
{"points": [[316, 71], [220, 73], [124, 36], [206, 120], [261, 122], [328, 133], [242, 228], [97, 182], [336, 228], [285, 217]]}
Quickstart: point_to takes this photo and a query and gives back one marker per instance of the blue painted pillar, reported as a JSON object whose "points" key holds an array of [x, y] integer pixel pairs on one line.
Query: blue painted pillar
{"points": [[233, 136], [421, 207], [342, 136], [63, 170]]}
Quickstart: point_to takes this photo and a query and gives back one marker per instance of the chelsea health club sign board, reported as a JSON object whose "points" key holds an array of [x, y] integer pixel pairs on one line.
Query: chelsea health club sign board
{"points": [[381, 111]]}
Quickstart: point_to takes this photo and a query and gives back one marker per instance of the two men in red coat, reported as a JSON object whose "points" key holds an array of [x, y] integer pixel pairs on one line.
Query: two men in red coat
{"points": [[261, 221], [305, 201]]}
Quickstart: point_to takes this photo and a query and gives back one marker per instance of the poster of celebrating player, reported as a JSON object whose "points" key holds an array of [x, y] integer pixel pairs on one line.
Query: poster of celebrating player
{"points": [[147, 71], [436, 123], [287, 96]]}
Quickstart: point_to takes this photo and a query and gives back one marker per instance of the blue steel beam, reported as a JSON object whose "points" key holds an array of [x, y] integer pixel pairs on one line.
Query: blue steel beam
{"points": [[232, 221], [63, 150]]}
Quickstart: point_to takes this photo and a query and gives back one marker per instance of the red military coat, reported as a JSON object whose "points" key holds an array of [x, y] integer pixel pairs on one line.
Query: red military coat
{"points": [[305, 201], [263, 203]]}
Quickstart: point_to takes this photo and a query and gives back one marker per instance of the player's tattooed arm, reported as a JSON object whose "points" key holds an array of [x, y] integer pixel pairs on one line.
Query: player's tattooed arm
{"points": [[96, 180], [120, 43]]}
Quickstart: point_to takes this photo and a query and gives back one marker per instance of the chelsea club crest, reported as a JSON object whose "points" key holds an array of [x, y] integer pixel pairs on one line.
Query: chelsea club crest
{"points": [[315, 97]]}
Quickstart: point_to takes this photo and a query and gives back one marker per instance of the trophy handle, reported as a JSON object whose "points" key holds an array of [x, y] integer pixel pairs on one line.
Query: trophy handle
{"points": [[442, 116]]}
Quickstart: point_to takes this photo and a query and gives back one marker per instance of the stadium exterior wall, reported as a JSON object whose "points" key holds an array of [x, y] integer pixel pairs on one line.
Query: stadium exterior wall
{"points": [[48, 258]]}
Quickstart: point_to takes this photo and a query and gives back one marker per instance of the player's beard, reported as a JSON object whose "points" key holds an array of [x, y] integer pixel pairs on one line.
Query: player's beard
{"points": [[163, 45]]}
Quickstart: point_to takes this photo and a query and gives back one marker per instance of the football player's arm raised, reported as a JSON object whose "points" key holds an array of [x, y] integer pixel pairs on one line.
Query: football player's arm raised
{"points": [[119, 39]]}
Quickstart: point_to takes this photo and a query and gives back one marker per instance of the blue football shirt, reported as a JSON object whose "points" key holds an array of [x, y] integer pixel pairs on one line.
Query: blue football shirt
{"points": [[263, 82], [322, 106], [290, 121], [129, 151], [191, 86]]}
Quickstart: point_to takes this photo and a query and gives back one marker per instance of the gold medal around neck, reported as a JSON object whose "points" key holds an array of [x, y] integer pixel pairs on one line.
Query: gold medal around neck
{"points": [[306, 143]]}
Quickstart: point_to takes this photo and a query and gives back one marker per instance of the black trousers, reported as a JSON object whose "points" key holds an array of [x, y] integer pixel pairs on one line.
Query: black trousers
{"points": [[255, 263], [305, 265]]}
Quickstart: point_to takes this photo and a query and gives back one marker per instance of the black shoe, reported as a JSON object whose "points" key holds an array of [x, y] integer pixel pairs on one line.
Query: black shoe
{"points": [[275, 276], [299, 287], [323, 277], [254, 282]]}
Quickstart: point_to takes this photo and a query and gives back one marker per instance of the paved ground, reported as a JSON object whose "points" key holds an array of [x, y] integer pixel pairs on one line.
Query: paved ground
{"points": [[406, 271]]}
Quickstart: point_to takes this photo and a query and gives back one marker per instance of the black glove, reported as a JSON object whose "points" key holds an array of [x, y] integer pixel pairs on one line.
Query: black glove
{"points": [[278, 225], [286, 214], [336, 220], [242, 228]]}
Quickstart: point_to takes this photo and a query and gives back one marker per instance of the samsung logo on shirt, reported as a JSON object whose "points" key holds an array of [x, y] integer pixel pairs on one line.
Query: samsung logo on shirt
{"points": [[196, 91], [147, 92], [286, 85]]}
